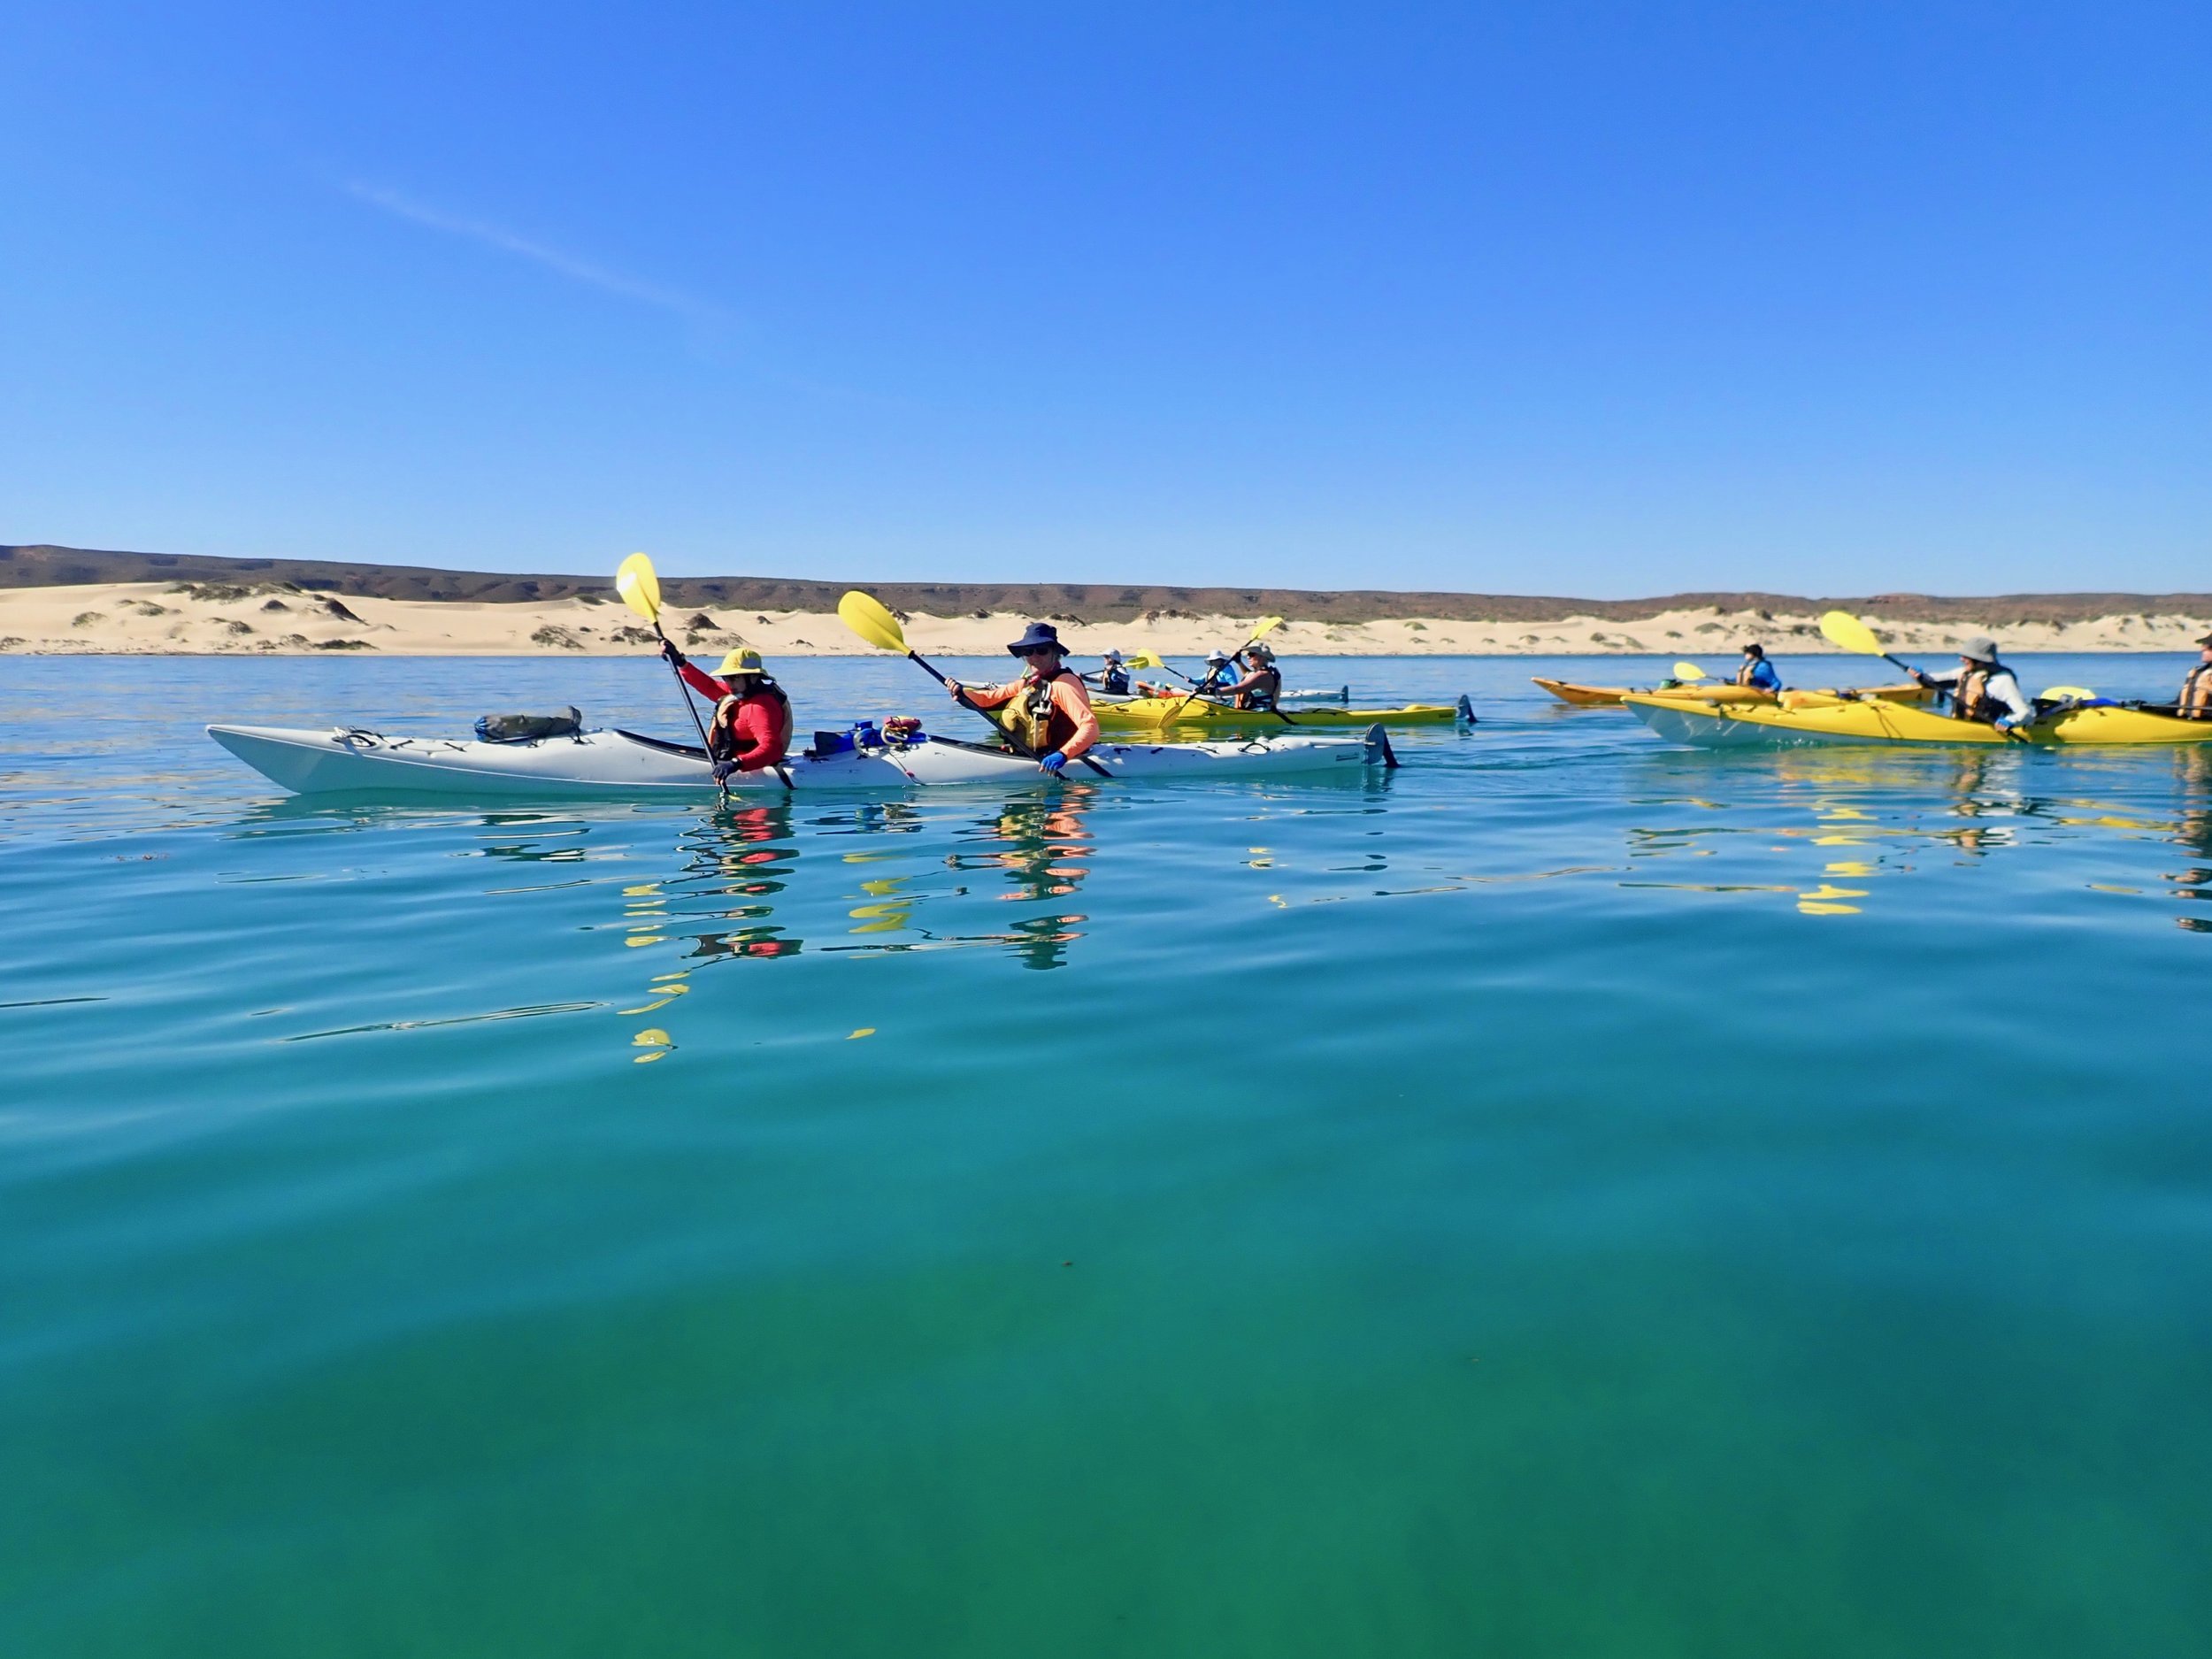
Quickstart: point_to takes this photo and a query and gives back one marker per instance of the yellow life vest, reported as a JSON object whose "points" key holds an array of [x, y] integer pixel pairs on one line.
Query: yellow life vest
{"points": [[1034, 719]]}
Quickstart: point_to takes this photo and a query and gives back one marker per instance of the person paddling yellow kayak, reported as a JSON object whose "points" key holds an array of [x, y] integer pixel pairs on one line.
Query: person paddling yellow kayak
{"points": [[1981, 687], [2195, 701]]}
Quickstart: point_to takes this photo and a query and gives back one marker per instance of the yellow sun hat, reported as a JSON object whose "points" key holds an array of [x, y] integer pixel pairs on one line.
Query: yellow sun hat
{"points": [[744, 660]]}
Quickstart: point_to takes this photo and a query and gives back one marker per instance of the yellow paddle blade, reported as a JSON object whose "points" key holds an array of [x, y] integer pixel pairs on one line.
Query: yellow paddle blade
{"points": [[1688, 671], [2067, 694], [640, 587], [864, 615], [1264, 627], [1846, 633], [1144, 659]]}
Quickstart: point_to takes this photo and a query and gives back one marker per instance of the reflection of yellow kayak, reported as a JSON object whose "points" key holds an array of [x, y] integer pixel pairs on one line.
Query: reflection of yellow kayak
{"points": [[1150, 714], [1609, 696], [1806, 716]]}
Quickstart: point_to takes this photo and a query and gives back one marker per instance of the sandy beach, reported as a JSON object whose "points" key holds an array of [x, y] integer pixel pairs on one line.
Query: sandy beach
{"points": [[198, 618]]}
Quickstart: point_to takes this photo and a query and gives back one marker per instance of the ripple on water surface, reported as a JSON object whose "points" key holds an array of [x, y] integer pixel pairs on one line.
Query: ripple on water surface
{"points": [[1571, 1194]]}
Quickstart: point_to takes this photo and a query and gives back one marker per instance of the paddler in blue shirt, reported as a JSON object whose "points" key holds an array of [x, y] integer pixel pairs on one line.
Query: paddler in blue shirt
{"points": [[1981, 687], [1757, 673], [1218, 666]]}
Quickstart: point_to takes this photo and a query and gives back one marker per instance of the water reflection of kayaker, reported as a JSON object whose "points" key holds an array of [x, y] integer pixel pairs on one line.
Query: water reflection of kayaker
{"points": [[2193, 833], [752, 729], [2195, 701], [1040, 842], [1757, 673], [1048, 709], [747, 857], [1981, 687]]}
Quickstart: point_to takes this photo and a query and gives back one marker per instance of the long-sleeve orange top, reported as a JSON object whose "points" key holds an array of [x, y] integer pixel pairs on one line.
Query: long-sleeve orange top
{"points": [[1069, 726]]}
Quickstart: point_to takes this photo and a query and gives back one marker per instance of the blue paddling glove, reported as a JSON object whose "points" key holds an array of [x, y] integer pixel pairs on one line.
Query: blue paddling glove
{"points": [[723, 769], [1053, 762]]}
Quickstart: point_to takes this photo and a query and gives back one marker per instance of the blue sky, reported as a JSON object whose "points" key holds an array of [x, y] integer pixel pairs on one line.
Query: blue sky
{"points": [[1604, 300]]}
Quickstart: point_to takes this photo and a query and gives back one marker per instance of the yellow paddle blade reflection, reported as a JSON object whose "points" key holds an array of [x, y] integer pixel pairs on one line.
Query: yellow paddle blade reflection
{"points": [[864, 615], [640, 587], [1846, 633]]}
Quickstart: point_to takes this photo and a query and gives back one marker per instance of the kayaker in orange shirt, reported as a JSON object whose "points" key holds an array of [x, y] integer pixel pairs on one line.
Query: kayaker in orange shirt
{"points": [[1048, 708]]}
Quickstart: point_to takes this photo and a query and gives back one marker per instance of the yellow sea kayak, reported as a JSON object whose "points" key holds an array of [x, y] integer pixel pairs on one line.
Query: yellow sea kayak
{"points": [[1806, 716], [1610, 697], [1150, 714]]}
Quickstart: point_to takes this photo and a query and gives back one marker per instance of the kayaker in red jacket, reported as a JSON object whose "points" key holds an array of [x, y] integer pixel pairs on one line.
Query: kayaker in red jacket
{"points": [[751, 730]]}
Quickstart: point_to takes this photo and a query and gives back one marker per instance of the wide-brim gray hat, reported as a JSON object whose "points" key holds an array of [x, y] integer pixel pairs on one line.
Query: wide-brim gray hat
{"points": [[1980, 647]]}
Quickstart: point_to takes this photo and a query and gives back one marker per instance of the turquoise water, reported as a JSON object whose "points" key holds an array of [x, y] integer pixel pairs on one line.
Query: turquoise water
{"points": [[1572, 1196]]}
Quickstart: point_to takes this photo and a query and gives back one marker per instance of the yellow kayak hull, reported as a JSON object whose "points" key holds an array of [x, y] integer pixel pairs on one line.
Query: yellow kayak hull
{"points": [[1806, 717], [1150, 714], [1610, 697]]}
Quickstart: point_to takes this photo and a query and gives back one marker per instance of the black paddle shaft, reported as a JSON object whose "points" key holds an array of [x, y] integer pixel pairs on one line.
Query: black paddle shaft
{"points": [[698, 725]]}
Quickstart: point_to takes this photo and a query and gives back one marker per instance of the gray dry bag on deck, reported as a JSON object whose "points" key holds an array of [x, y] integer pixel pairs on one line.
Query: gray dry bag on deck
{"points": [[521, 728]]}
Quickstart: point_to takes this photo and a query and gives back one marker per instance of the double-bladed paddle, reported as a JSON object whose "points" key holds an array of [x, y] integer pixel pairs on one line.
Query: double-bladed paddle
{"points": [[866, 615], [640, 585], [1846, 633], [1260, 631]]}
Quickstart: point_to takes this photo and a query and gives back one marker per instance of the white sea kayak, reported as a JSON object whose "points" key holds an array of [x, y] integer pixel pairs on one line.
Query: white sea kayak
{"points": [[345, 760]]}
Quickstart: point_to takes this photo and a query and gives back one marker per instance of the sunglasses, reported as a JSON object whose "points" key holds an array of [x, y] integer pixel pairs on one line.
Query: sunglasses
{"points": [[1042, 651]]}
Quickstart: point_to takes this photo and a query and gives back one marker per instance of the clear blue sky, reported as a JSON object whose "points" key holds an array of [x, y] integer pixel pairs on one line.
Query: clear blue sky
{"points": [[1594, 299]]}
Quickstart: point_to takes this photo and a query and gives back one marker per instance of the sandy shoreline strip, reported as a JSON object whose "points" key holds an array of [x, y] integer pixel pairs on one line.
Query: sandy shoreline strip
{"points": [[204, 618]]}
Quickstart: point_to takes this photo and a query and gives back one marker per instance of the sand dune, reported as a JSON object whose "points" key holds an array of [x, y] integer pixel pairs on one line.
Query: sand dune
{"points": [[233, 619]]}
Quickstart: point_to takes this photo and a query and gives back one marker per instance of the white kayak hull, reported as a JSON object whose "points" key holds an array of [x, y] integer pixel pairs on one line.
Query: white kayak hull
{"points": [[621, 764]]}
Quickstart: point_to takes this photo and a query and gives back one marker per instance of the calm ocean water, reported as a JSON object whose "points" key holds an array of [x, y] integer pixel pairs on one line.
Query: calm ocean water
{"points": [[1574, 1196]]}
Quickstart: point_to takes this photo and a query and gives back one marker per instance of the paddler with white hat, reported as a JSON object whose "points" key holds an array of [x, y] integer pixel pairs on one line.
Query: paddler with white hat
{"points": [[1981, 687], [1262, 685]]}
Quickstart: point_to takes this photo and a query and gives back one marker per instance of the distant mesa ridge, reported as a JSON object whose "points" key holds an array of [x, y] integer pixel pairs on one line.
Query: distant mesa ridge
{"points": [[46, 566]]}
